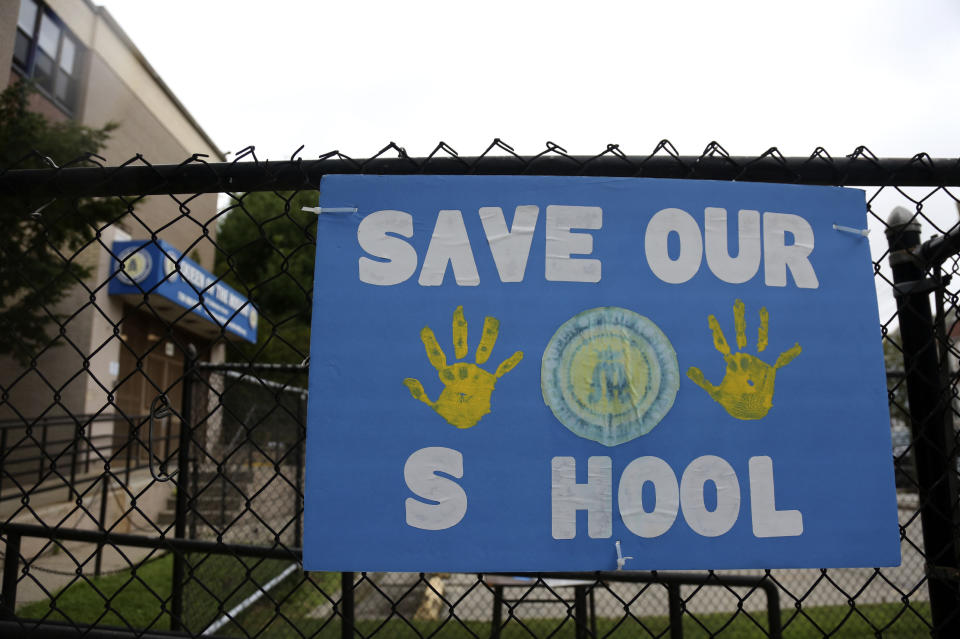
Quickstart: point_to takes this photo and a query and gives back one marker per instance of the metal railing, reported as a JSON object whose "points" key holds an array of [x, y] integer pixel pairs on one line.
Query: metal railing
{"points": [[50, 461]]}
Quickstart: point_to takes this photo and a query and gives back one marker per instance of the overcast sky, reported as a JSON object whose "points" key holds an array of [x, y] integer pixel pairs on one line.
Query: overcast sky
{"points": [[354, 76]]}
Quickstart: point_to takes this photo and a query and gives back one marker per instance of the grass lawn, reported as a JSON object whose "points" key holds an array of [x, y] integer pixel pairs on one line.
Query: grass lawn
{"points": [[139, 599], [230, 579], [893, 621], [131, 598]]}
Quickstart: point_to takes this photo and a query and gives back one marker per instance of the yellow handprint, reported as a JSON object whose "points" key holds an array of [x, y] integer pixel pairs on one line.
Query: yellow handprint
{"points": [[466, 387], [746, 391]]}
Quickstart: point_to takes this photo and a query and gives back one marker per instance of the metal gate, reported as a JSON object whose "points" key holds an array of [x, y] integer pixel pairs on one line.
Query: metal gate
{"points": [[172, 501]]}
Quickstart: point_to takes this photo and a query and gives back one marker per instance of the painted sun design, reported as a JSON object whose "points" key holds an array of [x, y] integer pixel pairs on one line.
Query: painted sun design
{"points": [[609, 375]]}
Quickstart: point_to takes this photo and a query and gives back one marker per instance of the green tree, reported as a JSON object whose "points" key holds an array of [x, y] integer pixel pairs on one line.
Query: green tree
{"points": [[41, 236], [266, 246]]}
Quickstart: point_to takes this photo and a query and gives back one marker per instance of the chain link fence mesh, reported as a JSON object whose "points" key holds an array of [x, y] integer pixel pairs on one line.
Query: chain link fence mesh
{"points": [[125, 423]]}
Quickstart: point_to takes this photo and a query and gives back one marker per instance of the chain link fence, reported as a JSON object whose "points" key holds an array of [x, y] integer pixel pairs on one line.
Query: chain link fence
{"points": [[151, 460]]}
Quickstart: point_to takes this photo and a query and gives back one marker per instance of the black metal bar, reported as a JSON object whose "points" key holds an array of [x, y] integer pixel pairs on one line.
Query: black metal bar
{"points": [[580, 612], [194, 490], [497, 620], [249, 377], [41, 457], [775, 629], [298, 515], [45, 629], [3, 460], [194, 461], [87, 441], [74, 452], [55, 442], [652, 577], [300, 174], [941, 247], [222, 483], [43, 452], [676, 611], [168, 436], [11, 565], [944, 357], [128, 456], [346, 605], [66, 419], [102, 521], [74, 487], [931, 441], [183, 488], [299, 454], [593, 613], [680, 578], [252, 366], [169, 544]]}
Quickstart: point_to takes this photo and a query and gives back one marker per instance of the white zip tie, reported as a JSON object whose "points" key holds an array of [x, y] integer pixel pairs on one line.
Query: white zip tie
{"points": [[329, 209], [850, 229], [36, 214], [621, 560]]}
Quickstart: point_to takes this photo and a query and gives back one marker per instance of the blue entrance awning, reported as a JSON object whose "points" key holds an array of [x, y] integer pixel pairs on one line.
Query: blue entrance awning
{"points": [[196, 299]]}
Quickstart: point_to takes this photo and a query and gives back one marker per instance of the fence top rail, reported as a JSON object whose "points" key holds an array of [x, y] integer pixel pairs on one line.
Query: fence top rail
{"points": [[266, 383], [198, 176], [252, 367]]}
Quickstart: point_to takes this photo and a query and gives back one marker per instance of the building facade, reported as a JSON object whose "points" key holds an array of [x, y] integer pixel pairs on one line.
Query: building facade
{"points": [[116, 354]]}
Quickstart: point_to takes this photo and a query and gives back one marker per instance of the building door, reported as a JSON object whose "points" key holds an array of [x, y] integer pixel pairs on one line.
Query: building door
{"points": [[151, 365]]}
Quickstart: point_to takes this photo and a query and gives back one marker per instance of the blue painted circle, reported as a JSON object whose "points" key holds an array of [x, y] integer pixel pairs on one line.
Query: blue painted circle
{"points": [[609, 375]]}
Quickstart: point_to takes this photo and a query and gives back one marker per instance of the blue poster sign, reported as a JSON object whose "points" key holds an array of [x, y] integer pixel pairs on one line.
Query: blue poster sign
{"points": [[556, 374], [157, 268]]}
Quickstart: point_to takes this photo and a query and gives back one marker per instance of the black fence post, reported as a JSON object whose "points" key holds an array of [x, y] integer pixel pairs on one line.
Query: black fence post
{"points": [[102, 523], [580, 612], [183, 483], [676, 611], [194, 490], [298, 482], [775, 629], [3, 457], [74, 453], [11, 562], [44, 455], [927, 402], [346, 605], [128, 444], [593, 610], [497, 620]]}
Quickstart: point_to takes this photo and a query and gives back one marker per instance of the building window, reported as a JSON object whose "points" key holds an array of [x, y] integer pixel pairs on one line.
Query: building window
{"points": [[47, 52]]}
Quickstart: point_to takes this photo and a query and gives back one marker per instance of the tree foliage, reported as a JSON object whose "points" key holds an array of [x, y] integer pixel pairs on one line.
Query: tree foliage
{"points": [[40, 238], [266, 246]]}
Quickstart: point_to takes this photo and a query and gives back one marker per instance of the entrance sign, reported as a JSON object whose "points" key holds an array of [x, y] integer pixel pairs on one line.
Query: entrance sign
{"points": [[158, 269], [517, 373]]}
